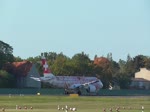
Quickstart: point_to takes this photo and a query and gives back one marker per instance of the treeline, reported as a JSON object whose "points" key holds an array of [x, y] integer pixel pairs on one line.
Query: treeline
{"points": [[108, 70]]}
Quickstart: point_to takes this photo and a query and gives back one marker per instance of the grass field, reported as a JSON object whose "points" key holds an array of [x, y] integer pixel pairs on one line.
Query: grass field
{"points": [[83, 103]]}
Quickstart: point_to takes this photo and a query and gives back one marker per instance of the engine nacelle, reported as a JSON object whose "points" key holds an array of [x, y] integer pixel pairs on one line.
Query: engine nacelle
{"points": [[91, 89]]}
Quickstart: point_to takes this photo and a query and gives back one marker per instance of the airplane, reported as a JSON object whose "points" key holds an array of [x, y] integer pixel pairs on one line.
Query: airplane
{"points": [[70, 84]]}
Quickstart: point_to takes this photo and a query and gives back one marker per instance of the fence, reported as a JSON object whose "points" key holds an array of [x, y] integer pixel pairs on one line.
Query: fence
{"points": [[102, 92]]}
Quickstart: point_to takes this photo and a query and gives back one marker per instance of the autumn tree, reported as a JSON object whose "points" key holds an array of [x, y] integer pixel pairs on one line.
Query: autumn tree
{"points": [[103, 68]]}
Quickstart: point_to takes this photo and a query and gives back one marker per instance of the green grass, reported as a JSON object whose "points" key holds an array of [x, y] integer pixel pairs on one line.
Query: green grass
{"points": [[83, 103]]}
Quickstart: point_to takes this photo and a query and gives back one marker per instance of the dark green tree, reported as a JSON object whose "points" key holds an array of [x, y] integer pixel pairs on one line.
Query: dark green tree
{"points": [[126, 72], [123, 80], [81, 64], [147, 62], [5, 53], [122, 65], [59, 65], [36, 59], [109, 56], [18, 59], [6, 80], [139, 62]]}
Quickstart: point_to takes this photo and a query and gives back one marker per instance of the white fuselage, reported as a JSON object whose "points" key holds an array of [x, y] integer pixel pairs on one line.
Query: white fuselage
{"points": [[68, 82]]}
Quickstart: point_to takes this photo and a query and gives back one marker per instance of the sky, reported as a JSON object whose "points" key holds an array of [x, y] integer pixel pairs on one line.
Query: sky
{"points": [[95, 27]]}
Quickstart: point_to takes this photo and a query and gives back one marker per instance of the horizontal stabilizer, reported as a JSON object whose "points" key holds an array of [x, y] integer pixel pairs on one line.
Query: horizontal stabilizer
{"points": [[35, 78]]}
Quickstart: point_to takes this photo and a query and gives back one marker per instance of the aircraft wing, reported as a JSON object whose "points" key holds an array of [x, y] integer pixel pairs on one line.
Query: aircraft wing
{"points": [[35, 78], [92, 82], [75, 86]]}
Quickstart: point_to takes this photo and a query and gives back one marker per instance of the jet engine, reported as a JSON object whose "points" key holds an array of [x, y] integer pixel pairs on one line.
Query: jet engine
{"points": [[91, 89]]}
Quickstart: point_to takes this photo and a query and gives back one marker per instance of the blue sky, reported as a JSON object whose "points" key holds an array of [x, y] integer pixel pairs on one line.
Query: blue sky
{"points": [[96, 27]]}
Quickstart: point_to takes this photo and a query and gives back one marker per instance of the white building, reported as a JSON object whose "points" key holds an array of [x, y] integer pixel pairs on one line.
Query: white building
{"points": [[141, 80]]}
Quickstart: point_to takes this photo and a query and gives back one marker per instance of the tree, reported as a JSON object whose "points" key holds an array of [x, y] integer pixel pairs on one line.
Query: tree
{"points": [[129, 58], [109, 56], [6, 80], [122, 65], [17, 59], [36, 59], [123, 80], [5, 53], [59, 65], [147, 62], [50, 56], [104, 70], [81, 63], [139, 62], [126, 72]]}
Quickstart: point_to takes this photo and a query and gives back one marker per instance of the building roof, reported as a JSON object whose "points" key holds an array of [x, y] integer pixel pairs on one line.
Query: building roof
{"points": [[100, 60], [19, 68]]}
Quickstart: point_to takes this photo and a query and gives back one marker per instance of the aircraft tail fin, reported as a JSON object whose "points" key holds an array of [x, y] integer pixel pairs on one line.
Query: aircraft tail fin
{"points": [[46, 70]]}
